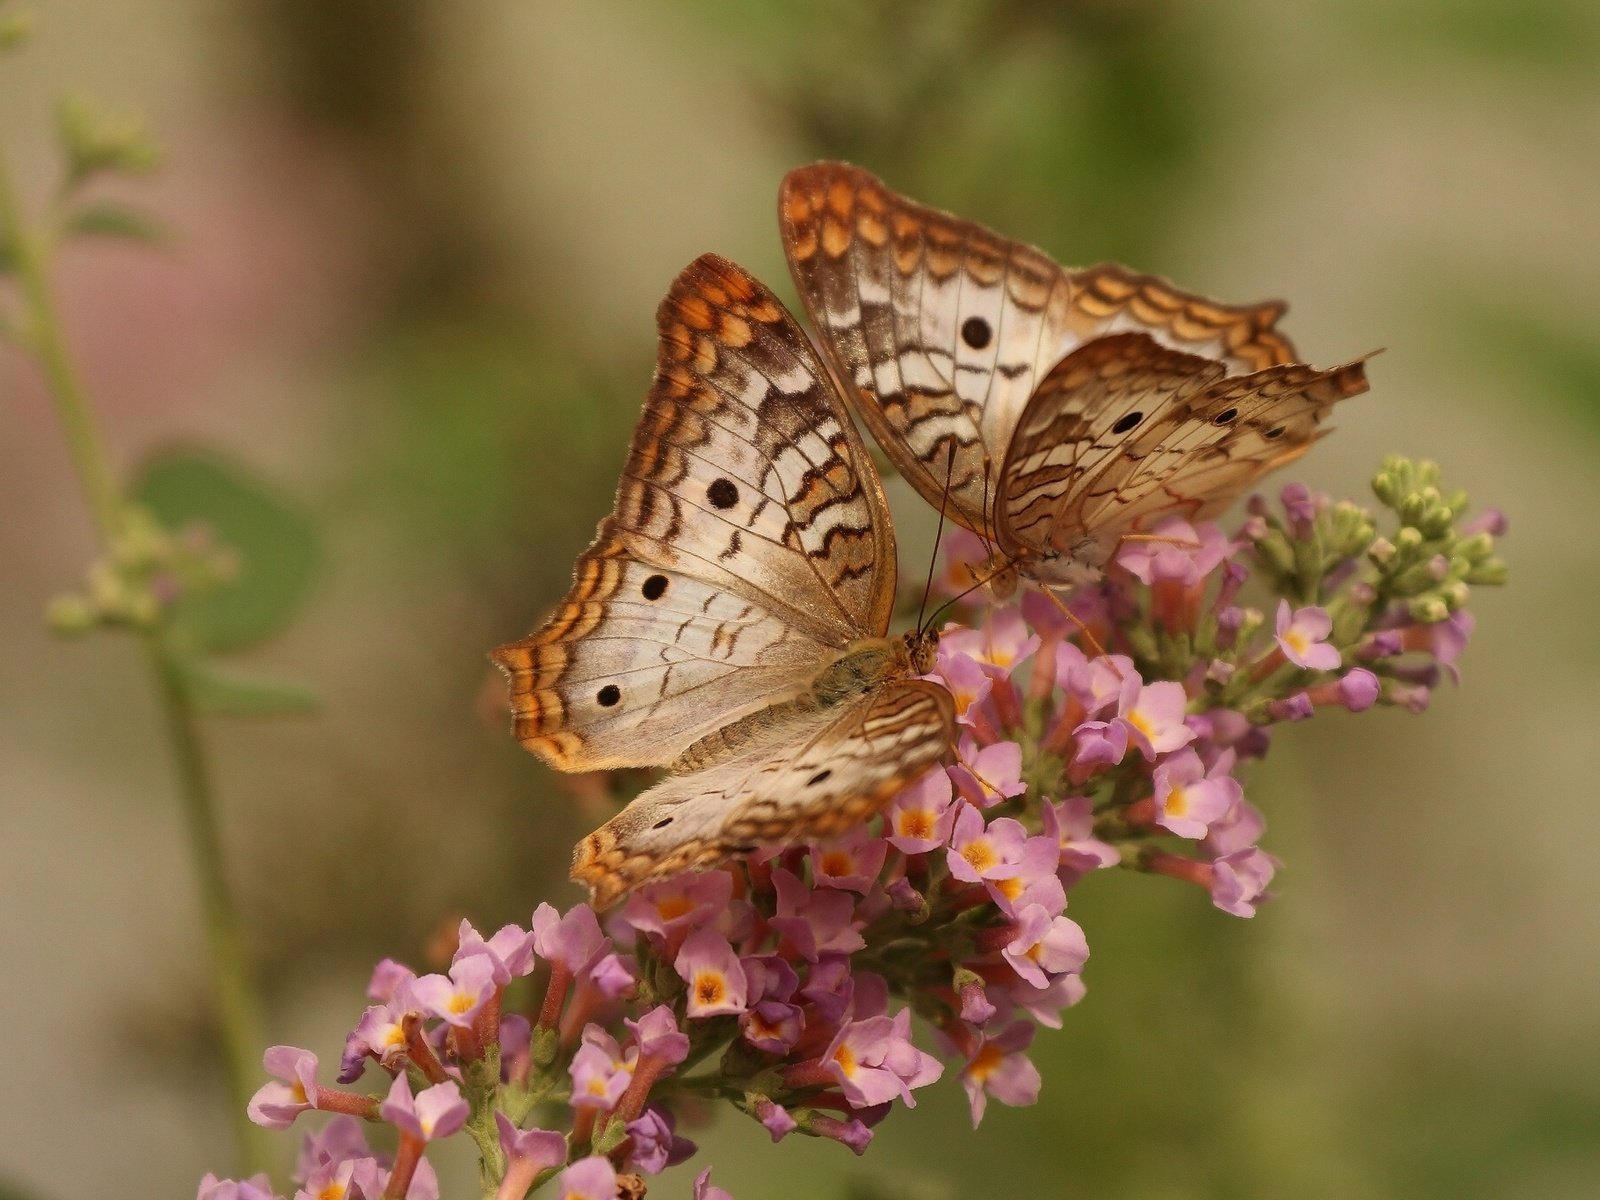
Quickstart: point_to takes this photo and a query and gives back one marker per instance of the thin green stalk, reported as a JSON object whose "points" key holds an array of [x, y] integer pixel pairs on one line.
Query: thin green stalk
{"points": [[237, 1012]]}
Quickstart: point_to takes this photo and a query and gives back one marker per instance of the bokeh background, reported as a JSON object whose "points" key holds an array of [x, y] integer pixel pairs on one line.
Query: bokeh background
{"points": [[415, 253]]}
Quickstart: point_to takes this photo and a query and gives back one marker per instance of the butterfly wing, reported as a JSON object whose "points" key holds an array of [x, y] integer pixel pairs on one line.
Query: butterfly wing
{"points": [[815, 775], [749, 542], [940, 329], [1124, 432]]}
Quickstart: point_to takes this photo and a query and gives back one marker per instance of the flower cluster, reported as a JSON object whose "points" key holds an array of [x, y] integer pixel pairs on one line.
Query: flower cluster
{"points": [[1108, 731]]}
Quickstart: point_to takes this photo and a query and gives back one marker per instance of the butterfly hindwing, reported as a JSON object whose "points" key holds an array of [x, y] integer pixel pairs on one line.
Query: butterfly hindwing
{"points": [[812, 775], [1124, 431]]}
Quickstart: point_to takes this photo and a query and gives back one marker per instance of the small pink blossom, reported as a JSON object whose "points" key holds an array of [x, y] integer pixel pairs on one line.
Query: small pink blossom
{"points": [[537, 1149], [875, 1062], [1239, 881], [276, 1105], [852, 862], [657, 1036], [1191, 554], [815, 921], [458, 997], [980, 851], [1000, 1069], [985, 776], [1043, 946], [257, 1187], [1188, 798], [600, 1073], [683, 901], [704, 1189], [436, 1112], [717, 984], [592, 1178], [574, 940], [920, 817], [510, 950], [1302, 636], [1154, 716], [1071, 823]]}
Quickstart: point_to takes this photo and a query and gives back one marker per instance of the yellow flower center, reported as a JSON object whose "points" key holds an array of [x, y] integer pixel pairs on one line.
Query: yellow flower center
{"points": [[916, 823], [1297, 641], [846, 1058], [1137, 720], [460, 1002], [710, 987], [1009, 888], [673, 907], [980, 854], [837, 862], [984, 1063], [1177, 802]]}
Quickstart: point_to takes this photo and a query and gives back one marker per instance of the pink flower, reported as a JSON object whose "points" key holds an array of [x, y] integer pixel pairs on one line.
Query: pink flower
{"points": [[380, 1034], [1071, 823], [458, 998], [969, 686], [775, 1117], [717, 984], [339, 1140], [920, 817], [657, 1036], [1189, 798], [852, 862], [1192, 553], [257, 1187], [1043, 945], [1240, 829], [816, 922], [985, 776], [535, 1150], [1001, 642], [1032, 878], [592, 1178], [704, 1189], [275, 1105], [682, 901], [1302, 636], [510, 950], [436, 1112], [772, 1025], [1153, 714], [875, 1062], [599, 1072], [1001, 1069], [655, 1144], [388, 977], [980, 851], [573, 940], [1239, 881]]}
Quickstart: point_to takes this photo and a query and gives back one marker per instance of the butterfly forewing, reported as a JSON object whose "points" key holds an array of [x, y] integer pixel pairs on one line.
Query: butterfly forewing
{"points": [[750, 542], [813, 775]]}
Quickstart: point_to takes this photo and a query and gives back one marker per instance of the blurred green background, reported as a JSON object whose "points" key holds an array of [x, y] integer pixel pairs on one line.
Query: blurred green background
{"points": [[417, 249]]}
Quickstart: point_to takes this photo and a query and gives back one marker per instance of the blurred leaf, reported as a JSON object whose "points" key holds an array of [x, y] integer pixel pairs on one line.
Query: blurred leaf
{"points": [[225, 694], [276, 545], [115, 220]]}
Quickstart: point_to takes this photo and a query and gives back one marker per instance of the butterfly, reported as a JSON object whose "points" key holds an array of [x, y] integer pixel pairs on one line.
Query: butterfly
{"points": [[730, 620], [1053, 412]]}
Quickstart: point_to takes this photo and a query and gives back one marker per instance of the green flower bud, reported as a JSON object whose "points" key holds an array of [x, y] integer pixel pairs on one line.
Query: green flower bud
{"points": [[1428, 610]]}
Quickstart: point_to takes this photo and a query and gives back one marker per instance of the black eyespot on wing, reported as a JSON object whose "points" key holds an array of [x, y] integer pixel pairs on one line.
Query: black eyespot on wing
{"points": [[609, 695], [662, 824], [976, 333], [1225, 417], [723, 493], [820, 777], [654, 588], [1127, 421], [1275, 432]]}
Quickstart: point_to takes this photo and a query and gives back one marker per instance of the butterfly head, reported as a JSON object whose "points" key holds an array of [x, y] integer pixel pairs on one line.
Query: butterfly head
{"points": [[922, 649]]}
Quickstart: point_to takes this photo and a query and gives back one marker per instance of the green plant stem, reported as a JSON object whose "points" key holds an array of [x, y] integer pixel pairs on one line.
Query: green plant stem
{"points": [[236, 1006]]}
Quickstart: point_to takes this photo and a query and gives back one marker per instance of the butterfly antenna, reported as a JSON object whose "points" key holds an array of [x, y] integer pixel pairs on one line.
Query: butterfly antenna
{"points": [[1094, 642], [998, 571], [933, 560]]}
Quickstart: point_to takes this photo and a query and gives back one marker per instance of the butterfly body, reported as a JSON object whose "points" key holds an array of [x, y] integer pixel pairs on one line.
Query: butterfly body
{"points": [[1051, 411], [730, 620]]}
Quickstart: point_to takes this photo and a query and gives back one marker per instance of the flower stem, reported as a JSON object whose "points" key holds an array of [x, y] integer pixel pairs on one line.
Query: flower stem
{"points": [[237, 1015]]}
